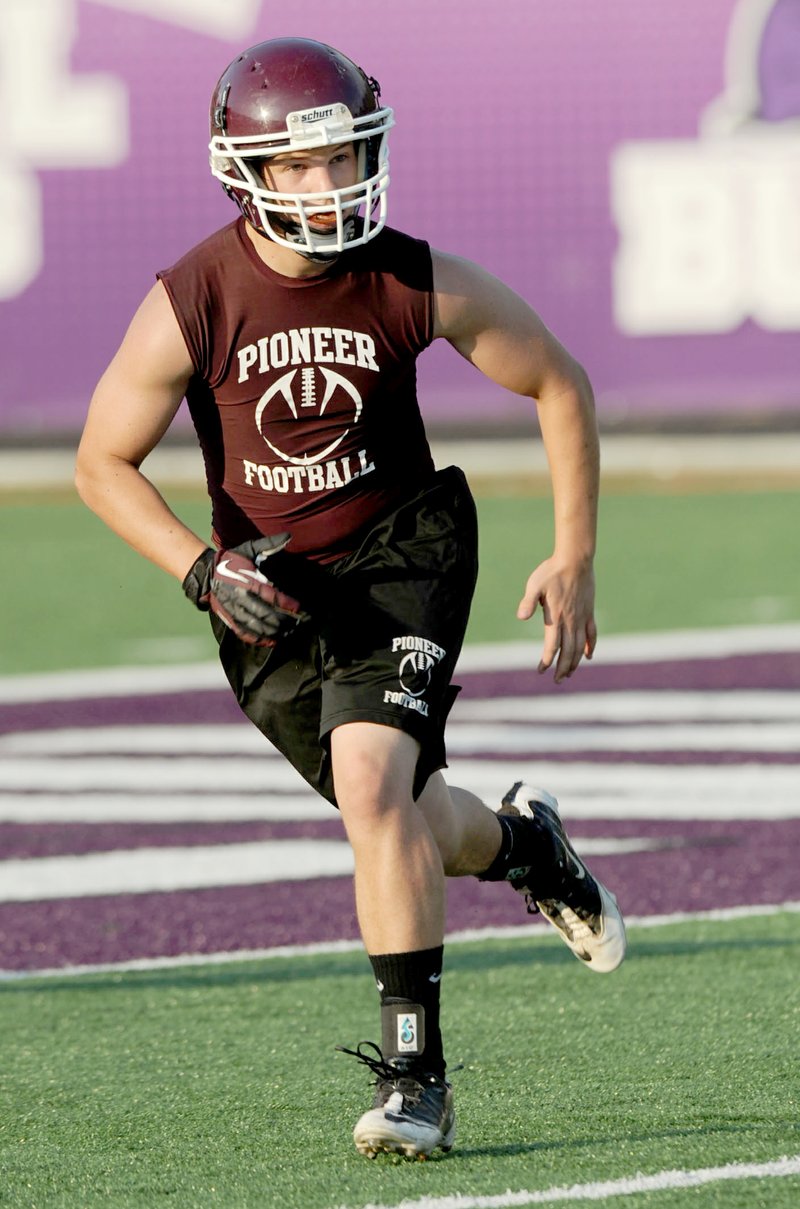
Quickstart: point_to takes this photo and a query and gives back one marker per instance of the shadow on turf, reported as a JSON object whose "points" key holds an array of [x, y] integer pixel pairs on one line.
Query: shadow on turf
{"points": [[345, 965], [514, 1148]]}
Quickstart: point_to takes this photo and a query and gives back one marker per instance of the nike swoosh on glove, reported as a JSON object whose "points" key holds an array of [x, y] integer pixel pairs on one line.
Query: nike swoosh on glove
{"points": [[230, 584]]}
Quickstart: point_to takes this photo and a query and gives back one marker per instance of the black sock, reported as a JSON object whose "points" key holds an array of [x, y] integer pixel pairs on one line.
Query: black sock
{"points": [[515, 856], [409, 986]]}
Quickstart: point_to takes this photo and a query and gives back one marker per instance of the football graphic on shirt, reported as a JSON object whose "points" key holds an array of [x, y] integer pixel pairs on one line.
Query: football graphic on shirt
{"points": [[328, 403]]}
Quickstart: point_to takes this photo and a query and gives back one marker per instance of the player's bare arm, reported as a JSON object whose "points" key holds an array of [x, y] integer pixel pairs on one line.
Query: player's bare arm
{"points": [[132, 407], [496, 330]]}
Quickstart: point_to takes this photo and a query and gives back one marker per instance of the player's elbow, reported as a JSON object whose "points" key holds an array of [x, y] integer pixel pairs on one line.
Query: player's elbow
{"points": [[92, 474], [83, 478], [574, 378], [576, 391], [583, 384], [568, 388]]}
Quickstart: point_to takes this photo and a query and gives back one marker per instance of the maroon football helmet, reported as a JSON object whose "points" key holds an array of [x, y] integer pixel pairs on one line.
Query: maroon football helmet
{"points": [[294, 94]]}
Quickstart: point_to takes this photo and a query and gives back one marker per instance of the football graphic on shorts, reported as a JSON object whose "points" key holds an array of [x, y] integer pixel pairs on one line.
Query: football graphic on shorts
{"points": [[415, 672]]}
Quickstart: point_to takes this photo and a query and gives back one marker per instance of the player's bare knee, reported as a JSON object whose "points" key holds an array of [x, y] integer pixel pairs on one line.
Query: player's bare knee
{"points": [[373, 771], [365, 807]]}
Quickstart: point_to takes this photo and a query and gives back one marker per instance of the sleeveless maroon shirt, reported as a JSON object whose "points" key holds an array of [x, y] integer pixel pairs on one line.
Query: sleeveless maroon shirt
{"points": [[303, 394]]}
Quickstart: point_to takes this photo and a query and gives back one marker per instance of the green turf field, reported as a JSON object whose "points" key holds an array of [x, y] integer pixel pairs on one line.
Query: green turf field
{"points": [[219, 1085], [665, 562]]}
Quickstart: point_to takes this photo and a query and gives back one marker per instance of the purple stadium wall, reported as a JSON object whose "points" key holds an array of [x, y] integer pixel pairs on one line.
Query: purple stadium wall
{"points": [[633, 169]]}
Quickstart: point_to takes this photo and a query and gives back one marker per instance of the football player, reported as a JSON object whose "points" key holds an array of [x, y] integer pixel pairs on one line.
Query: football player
{"points": [[343, 563]]}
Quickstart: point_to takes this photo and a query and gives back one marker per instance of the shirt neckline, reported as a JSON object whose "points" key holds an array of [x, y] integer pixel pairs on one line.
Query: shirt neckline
{"points": [[289, 283]]}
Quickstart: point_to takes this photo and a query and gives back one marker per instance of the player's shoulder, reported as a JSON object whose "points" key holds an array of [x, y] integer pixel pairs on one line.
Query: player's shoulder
{"points": [[392, 238], [457, 275], [468, 298], [399, 255]]}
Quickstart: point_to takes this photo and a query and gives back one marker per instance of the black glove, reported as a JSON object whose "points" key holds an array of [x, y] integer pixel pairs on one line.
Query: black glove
{"points": [[232, 584]]}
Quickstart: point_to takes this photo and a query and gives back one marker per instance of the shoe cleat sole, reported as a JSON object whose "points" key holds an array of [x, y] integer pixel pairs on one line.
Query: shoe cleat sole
{"points": [[372, 1147]]}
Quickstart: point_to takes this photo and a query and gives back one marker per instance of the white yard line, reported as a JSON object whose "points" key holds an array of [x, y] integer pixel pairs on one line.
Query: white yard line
{"points": [[112, 682], [634, 790], [719, 643], [232, 738], [525, 728], [241, 738], [659, 1181], [665, 705], [499, 736], [162, 870], [113, 806], [141, 774], [522, 933], [202, 866], [146, 789]]}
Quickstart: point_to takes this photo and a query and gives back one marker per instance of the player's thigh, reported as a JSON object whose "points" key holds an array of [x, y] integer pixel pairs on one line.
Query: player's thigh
{"points": [[389, 657]]}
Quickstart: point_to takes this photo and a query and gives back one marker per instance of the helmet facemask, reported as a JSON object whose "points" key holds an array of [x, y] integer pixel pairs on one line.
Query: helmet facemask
{"points": [[358, 210]]}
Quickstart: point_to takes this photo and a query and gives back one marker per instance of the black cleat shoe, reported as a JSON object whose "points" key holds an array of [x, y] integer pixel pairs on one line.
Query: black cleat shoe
{"points": [[412, 1113], [580, 907]]}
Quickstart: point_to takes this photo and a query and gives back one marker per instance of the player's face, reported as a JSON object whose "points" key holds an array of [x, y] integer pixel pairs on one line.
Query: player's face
{"points": [[316, 172]]}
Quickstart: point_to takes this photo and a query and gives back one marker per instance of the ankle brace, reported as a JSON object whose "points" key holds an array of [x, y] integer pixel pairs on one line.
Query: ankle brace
{"points": [[514, 858], [409, 985], [402, 1028]]}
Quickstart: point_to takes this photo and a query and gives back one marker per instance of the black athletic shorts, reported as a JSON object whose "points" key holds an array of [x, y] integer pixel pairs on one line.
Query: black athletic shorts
{"points": [[388, 651]]}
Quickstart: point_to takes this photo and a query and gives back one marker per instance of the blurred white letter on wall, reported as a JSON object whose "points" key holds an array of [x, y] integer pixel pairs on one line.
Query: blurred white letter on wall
{"points": [[52, 119], [709, 233]]}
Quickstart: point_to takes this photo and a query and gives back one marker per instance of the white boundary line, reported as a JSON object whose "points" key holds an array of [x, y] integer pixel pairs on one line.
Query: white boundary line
{"points": [[520, 932], [659, 1182], [718, 643], [477, 657]]}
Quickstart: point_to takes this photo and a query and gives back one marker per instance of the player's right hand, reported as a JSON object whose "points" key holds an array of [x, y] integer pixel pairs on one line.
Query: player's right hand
{"points": [[230, 584]]}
